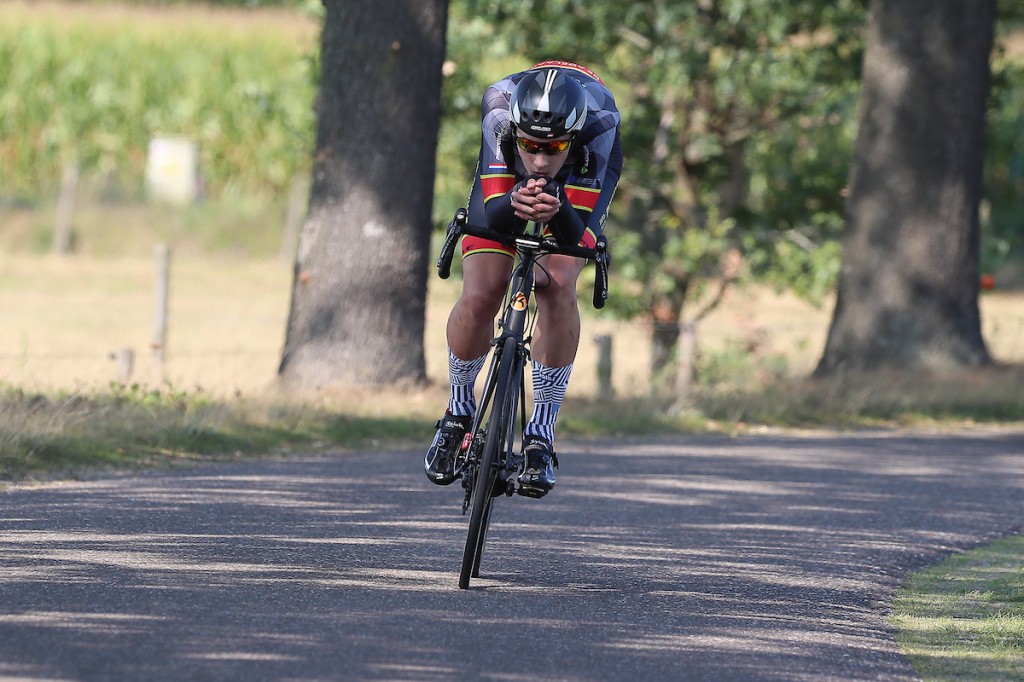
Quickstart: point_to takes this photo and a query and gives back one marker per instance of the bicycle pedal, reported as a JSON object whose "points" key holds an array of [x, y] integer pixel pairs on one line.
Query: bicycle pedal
{"points": [[531, 492], [503, 486]]}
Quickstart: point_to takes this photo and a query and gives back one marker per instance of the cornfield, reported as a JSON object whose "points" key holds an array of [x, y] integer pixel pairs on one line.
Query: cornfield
{"points": [[91, 85]]}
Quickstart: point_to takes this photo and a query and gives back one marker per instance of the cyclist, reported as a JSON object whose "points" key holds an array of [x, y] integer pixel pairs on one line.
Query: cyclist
{"points": [[552, 153]]}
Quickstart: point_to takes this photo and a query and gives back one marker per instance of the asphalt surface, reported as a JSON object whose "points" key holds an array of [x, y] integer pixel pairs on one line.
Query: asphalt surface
{"points": [[760, 558]]}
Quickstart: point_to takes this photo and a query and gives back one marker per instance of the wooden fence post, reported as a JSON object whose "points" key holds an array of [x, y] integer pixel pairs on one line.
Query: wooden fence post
{"points": [[685, 358], [163, 277], [62, 233], [604, 366]]}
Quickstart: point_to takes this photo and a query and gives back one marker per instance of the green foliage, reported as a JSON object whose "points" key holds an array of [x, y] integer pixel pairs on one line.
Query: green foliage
{"points": [[739, 117], [1010, 12], [476, 57], [738, 121], [740, 366], [1002, 236], [738, 109]]}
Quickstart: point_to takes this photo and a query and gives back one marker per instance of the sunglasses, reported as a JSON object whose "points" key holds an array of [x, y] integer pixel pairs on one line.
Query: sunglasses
{"points": [[551, 147]]}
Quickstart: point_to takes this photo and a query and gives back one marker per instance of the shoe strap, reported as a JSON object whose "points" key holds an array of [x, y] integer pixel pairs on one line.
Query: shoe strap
{"points": [[550, 452], [452, 423]]}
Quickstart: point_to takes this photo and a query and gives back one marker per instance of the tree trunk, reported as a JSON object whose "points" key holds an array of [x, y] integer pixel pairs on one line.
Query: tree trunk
{"points": [[908, 290], [359, 293]]}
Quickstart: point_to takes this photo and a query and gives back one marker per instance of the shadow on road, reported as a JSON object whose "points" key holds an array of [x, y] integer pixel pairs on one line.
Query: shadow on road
{"points": [[754, 558]]}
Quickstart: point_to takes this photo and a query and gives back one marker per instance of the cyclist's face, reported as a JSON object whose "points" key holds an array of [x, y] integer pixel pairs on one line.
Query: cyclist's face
{"points": [[542, 162]]}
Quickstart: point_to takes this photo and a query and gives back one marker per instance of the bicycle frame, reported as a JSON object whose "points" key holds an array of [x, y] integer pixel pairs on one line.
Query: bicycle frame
{"points": [[512, 326], [488, 449]]}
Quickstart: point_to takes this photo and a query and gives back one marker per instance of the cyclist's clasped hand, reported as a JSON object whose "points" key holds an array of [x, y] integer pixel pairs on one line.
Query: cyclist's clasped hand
{"points": [[535, 200]]}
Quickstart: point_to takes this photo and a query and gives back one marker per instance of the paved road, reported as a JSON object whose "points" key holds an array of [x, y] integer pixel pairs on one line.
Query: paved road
{"points": [[766, 557]]}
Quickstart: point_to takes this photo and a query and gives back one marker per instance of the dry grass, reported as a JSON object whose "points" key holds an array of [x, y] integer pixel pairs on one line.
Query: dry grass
{"points": [[65, 316]]}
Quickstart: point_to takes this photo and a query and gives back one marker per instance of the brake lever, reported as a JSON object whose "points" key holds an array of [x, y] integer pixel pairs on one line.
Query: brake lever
{"points": [[451, 238], [602, 262]]}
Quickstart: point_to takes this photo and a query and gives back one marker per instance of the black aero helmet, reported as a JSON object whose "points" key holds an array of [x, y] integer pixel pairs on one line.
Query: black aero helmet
{"points": [[548, 103]]}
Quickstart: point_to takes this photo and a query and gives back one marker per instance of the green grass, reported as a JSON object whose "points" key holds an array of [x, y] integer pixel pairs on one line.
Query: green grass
{"points": [[136, 427], [964, 619], [140, 426]]}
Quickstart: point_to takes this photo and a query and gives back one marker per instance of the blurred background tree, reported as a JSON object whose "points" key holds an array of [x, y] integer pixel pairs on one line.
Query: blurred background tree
{"points": [[908, 291], [359, 294]]}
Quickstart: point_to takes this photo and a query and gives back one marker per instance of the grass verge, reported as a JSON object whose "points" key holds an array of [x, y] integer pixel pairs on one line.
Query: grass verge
{"points": [[883, 399], [70, 434], [964, 618], [135, 426]]}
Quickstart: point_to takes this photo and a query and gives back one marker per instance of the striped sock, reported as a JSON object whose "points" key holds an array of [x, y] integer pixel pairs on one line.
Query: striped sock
{"points": [[549, 384], [462, 374]]}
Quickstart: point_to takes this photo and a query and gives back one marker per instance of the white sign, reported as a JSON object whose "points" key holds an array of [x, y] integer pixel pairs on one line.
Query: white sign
{"points": [[172, 170]]}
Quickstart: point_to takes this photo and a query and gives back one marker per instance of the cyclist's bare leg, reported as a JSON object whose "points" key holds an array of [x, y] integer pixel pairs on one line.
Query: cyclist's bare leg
{"points": [[471, 322], [558, 325], [470, 328]]}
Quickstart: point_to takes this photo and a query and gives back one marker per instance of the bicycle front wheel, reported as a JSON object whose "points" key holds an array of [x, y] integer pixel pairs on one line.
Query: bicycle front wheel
{"points": [[496, 444]]}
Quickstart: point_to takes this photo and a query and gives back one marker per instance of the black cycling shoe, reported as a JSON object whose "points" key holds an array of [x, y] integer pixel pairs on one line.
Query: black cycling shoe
{"points": [[439, 462], [538, 478]]}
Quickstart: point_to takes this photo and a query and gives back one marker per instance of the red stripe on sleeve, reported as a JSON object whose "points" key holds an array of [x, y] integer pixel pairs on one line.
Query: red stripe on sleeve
{"points": [[582, 197], [496, 185]]}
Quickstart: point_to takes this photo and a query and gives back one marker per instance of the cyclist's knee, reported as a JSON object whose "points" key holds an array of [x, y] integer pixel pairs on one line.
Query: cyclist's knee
{"points": [[480, 303], [481, 295], [484, 277], [558, 277], [557, 295]]}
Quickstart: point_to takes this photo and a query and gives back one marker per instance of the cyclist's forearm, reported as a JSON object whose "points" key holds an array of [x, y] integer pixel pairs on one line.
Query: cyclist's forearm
{"points": [[501, 216], [567, 225]]}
